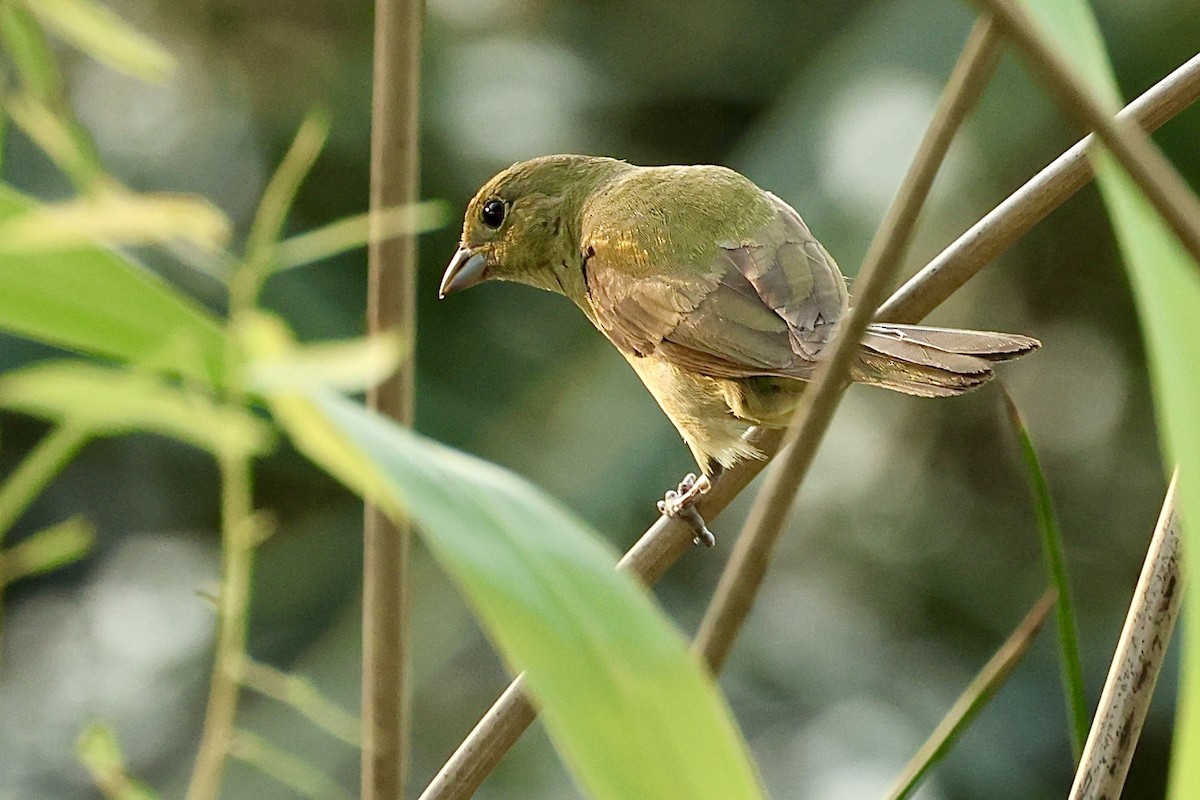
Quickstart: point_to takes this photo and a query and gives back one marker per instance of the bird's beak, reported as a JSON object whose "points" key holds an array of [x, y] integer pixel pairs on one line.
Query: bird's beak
{"points": [[466, 269]]}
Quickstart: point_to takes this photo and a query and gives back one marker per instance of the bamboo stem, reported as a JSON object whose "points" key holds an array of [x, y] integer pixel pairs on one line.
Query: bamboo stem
{"points": [[1136, 663], [391, 305]]}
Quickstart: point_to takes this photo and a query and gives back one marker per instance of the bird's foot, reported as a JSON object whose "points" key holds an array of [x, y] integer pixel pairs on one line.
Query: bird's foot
{"points": [[681, 504]]}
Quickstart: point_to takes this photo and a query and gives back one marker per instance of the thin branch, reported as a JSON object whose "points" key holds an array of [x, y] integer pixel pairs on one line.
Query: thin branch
{"points": [[391, 305], [36, 470], [233, 606], [1032, 203], [747, 565], [302, 696], [980, 690], [667, 540], [290, 770], [1159, 181], [1136, 663]]}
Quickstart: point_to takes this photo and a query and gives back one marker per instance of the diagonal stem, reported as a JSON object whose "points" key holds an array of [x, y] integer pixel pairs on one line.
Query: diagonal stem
{"points": [[1136, 663], [667, 540], [1159, 181], [1032, 203], [968, 705], [747, 565]]}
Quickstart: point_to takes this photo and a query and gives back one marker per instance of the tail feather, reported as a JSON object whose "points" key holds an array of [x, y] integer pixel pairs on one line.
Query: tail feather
{"points": [[984, 344], [934, 362]]}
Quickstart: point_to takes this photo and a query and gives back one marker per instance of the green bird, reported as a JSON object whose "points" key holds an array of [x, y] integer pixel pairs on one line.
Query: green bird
{"points": [[714, 291]]}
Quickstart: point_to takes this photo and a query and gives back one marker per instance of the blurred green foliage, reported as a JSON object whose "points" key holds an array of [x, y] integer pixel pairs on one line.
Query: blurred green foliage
{"points": [[914, 549]]}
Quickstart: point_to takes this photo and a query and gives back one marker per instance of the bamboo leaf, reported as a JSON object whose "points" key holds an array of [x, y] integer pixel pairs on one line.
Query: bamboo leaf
{"points": [[92, 300], [107, 401], [353, 232], [104, 36], [629, 708], [115, 217], [1056, 563], [60, 138], [281, 366], [26, 46]]}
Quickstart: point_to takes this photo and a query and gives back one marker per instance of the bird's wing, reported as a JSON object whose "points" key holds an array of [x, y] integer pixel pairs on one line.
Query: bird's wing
{"points": [[763, 305]]}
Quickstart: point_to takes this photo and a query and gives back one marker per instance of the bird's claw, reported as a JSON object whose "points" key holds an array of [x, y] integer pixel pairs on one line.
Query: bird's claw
{"points": [[680, 504]]}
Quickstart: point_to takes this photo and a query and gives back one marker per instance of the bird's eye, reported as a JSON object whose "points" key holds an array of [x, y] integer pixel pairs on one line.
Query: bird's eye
{"points": [[492, 213]]}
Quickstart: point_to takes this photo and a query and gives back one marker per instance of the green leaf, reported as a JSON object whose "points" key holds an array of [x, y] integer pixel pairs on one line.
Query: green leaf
{"points": [[48, 549], [632, 712], [108, 401], [99, 752], [281, 366], [352, 232], [93, 300], [115, 217], [1056, 563], [67, 145], [1166, 289], [26, 46], [104, 36]]}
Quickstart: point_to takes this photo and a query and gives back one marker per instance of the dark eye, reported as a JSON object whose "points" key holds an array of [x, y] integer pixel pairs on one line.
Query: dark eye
{"points": [[492, 213]]}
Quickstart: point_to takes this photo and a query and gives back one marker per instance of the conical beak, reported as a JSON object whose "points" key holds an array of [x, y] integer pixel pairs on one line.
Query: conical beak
{"points": [[466, 269]]}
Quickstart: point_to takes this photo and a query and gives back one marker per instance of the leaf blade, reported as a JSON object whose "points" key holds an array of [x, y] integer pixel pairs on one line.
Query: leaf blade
{"points": [[629, 708], [93, 300]]}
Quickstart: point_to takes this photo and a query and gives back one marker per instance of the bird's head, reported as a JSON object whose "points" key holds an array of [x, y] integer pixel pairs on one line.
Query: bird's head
{"points": [[524, 224]]}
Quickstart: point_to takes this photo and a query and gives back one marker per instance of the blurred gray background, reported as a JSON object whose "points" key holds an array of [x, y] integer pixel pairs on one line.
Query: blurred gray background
{"points": [[912, 551]]}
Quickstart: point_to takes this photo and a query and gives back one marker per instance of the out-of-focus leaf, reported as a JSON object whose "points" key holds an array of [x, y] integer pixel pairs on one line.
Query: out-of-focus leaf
{"points": [[303, 696], [48, 549], [99, 752], [97, 31], [26, 46], [631, 710], [93, 300], [60, 138], [108, 401], [284, 184], [282, 366], [289, 769], [1166, 289], [356, 231], [115, 217]]}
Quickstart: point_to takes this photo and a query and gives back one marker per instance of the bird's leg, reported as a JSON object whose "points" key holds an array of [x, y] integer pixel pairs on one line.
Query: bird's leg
{"points": [[680, 503]]}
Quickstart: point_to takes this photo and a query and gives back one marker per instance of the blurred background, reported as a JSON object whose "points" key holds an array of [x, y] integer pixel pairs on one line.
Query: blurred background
{"points": [[912, 551]]}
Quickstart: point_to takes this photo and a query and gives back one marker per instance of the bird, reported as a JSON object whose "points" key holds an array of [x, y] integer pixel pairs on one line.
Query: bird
{"points": [[714, 290]]}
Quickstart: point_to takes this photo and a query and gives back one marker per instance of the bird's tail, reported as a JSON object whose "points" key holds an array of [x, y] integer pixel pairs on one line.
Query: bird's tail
{"points": [[933, 362]]}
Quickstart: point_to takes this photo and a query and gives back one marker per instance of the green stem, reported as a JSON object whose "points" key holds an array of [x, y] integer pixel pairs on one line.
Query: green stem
{"points": [[36, 471], [40, 466], [233, 604]]}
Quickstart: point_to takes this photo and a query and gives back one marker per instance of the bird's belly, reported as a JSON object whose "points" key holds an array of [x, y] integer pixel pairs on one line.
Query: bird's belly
{"points": [[699, 409]]}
